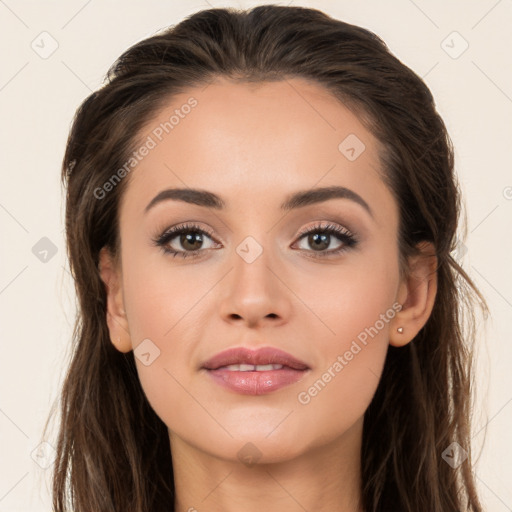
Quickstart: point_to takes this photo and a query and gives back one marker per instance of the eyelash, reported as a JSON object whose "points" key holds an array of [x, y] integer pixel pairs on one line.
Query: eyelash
{"points": [[342, 234]]}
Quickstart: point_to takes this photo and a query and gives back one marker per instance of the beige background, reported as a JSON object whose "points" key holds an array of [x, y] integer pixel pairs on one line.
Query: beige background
{"points": [[38, 97]]}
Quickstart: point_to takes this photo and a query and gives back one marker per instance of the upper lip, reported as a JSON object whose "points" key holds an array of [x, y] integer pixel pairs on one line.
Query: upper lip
{"points": [[261, 356]]}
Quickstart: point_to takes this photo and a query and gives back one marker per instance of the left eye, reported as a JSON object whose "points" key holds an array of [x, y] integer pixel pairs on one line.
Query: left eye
{"points": [[320, 236]]}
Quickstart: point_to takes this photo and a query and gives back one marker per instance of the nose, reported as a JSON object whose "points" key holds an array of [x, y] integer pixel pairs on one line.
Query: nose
{"points": [[255, 293]]}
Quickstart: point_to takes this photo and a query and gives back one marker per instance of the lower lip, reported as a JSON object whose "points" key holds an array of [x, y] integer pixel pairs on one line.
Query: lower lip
{"points": [[256, 383]]}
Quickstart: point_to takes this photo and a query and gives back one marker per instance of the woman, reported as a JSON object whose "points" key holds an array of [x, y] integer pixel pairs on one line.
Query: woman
{"points": [[260, 211]]}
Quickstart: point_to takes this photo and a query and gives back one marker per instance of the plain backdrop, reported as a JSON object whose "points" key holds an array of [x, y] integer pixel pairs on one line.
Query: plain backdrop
{"points": [[54, 53]]}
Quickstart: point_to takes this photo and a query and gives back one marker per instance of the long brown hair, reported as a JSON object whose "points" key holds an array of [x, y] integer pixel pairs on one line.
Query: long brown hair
{"points": [[113, 450]]}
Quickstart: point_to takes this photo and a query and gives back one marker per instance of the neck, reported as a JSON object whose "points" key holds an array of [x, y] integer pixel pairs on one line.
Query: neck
{"points": [[323, 478]]}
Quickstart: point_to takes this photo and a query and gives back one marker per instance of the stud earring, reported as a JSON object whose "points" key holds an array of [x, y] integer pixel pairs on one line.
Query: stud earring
{"points": [[400, 330]]}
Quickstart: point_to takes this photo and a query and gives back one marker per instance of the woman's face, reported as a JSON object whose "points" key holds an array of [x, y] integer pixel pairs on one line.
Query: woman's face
{"points": [[255, 281]]}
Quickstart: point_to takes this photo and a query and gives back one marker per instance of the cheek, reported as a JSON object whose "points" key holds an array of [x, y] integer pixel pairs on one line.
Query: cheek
{"points": [[163, 305], [159, 297], [356, 311], [351, 301]]}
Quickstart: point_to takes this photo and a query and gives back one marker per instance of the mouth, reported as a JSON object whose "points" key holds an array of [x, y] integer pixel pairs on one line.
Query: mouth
{"points": [[251, 367], [255, 372]]}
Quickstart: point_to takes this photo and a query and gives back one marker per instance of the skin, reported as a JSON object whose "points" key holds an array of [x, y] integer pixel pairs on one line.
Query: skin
{"points": [[253, 145]]}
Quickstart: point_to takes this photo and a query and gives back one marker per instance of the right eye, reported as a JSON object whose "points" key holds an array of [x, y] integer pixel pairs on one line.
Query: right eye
{"points": [[189, 236]]}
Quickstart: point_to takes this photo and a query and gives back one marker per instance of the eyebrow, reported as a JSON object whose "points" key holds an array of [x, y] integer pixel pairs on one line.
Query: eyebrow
{"points": [[295, 200]]}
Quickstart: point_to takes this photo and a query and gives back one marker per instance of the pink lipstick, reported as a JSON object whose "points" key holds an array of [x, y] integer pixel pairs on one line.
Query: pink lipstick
{"points": [[255, 372]]}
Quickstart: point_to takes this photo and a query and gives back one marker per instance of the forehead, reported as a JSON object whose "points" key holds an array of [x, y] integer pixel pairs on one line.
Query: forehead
{"points": [[255, 141]]}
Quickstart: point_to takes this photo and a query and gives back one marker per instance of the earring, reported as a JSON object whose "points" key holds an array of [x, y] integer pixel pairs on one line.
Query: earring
{"points": [[400, 330]]}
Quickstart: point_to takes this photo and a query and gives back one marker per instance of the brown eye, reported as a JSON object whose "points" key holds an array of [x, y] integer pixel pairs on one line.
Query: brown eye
{"points": [[320, 237], [191, 242], [319, 242], [184, 240]]}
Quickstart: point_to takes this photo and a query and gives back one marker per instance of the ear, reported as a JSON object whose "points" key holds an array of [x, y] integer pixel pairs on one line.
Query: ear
{"points": [[416, 293], [111, 276]]}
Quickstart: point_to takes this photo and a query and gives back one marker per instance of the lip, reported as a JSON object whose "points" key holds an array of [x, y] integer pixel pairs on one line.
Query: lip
{"points": [[255, 382], [264, 355]]}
